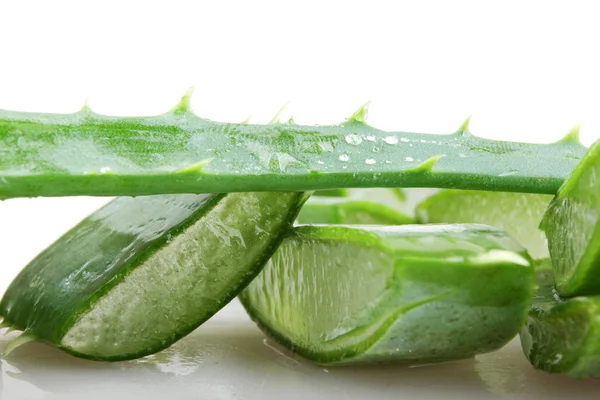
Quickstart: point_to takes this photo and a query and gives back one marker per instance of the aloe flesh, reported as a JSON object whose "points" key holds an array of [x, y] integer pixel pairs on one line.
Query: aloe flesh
{"points": [[563, 335], [178, 152], [140, 273], [572, 225], [348, 211], [518, 214], [405, 294]]}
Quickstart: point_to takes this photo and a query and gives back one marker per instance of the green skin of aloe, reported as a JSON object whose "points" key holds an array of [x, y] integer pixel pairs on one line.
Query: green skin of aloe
{"points": [[140, 273], [89, 154], [178, 152]]}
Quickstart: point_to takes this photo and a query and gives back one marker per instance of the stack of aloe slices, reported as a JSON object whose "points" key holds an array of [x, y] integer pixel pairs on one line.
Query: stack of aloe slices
{"points": [[348, 276]]}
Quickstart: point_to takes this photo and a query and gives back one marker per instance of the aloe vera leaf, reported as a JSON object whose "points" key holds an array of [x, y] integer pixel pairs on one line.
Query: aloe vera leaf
{"points": [[572, 225], [349, 211], [178, 152], [140, 273], [562, 335], [407, 294], [518, 214], [332, 193]]}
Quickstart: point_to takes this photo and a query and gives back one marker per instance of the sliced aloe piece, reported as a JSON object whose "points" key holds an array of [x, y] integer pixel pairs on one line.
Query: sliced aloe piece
{"points": [[393, 198], [518, 214], [140, 273], [563, 336], [411, 294], [347, 211], [572, 225]]}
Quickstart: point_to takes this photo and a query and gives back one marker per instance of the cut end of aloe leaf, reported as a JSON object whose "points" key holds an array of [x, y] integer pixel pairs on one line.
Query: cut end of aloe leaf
{"points": [[572, 225], [563, 335], [140, 273], [518, 214], [411, 294]]}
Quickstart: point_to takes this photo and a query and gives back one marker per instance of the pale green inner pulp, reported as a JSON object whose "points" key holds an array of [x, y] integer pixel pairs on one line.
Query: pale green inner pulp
{"points": [[572, 225], [420, 293], [315, 290], [184, 282], [518, 214]]}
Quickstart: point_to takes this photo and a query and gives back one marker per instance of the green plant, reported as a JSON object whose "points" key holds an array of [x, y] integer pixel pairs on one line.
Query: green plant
{"points": [[171, 155], [177, 152]]}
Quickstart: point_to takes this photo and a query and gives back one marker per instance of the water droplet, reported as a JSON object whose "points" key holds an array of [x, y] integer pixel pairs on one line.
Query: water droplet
{"points": [[104, 170], [375, 149], [409, 159], [388, 162], [403, 139], [344, 157], [353, 139], [391, 140], [461, 155], [320, 162], [370, 161], [371, 138], [344, 167]]}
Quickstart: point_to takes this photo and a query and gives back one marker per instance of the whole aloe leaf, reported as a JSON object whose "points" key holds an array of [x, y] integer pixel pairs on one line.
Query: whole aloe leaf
{"points": [[178, 152]]}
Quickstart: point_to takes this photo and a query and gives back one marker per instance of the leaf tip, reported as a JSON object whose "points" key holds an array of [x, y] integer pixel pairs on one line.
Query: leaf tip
{"points": [[428, 164], [185, 104], [278, 118], [85, 108], [464, 127], [573, 135], [360, 115], [249, 119], [196, 167]]}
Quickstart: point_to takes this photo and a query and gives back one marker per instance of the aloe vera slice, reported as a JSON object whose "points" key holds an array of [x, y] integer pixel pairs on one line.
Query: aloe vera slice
{"points": [[572, 225], [518, 214], [348, 211], [411, 294], [563, 335], [140, 273]]}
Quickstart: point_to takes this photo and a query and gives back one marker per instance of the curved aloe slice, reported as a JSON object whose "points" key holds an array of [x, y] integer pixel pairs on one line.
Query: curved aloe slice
{"points": [[518, 214], [563, 336], [572, 225], [348, 211], [413, 293], [140, 273]]}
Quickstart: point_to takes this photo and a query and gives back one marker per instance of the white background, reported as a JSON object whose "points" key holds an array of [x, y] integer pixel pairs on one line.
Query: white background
{"points": [[524, 70]]}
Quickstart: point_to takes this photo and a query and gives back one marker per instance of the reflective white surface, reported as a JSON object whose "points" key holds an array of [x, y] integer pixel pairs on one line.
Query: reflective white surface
{"points": [[524, 70], [229, 358]]}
